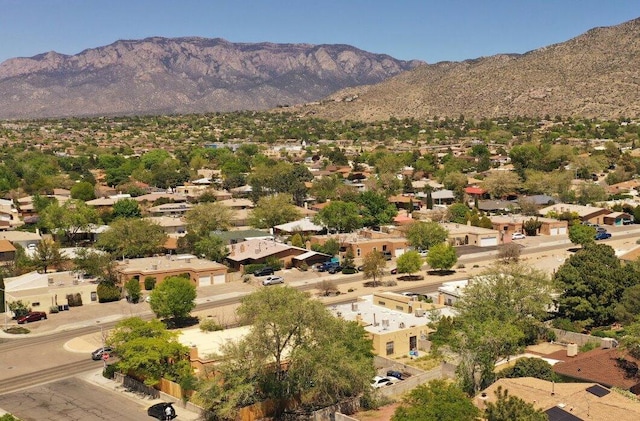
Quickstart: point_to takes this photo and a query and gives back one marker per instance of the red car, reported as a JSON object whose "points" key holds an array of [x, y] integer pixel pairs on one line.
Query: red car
{"points": [[32, 316]]}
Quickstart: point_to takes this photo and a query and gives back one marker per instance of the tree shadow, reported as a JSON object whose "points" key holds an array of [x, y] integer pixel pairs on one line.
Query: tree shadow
{"points": [[441, 272], [180, 322]]}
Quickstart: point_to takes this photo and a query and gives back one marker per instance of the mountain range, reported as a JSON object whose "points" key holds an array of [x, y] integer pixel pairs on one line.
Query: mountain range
{"points": [[596, 74], [184, 75]]}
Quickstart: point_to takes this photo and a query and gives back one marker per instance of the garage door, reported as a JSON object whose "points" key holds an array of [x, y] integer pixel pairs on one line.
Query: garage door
{"points": [[219, 279], [489, 241], [399, 252], [562, 231], [204, 281], [554, 231]]}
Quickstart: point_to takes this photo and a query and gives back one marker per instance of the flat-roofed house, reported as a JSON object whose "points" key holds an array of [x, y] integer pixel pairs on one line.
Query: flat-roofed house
{"points": [[201, 272], [259, 250], [462, 235], [591, 214]]}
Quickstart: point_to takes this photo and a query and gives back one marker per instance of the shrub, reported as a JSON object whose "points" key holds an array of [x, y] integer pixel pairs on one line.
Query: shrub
{"points": [[149, 283], [53, 309], [589, 346], [210, 325], [303, 267], [107, 292], [460, 265], [349, 271], [110, 371], [274, 262], [17, 330], [249, 269], [564, 324]]}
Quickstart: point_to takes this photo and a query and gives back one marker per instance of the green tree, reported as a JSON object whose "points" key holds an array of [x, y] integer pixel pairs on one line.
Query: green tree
{"points": [[83, 191], [273, 210], [591, 284], [529, 367], [173, 298], [298, 349], [458, 213], [204, 218], [126, 208], [150, 350], [531, 227], [47, 254], [132, 286], [19, 308], [296, 240], [376, 209], [340, 216], [424, 235], [582, 234], [437, 400], [132, 238], [212, 247], [628, 309], [330, 247], [73, 217], [108, 291], [373, 266], [507, 408], [442, 257], [95, 263], [501, 183], [409, 262]]}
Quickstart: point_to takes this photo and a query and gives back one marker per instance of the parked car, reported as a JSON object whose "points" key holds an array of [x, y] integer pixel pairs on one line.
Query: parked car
{"points": [[379, 381], [335, 269], [600, 229], [396, 374], [32, 316], [326, 266], [264, 271], [99, 353], [162, 411], [272, 280], [518, 236], [394, 271], [387, 255], [602, 235]]}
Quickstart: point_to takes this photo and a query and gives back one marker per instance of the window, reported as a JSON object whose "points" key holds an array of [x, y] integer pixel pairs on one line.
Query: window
{"points": [[358, 252], [381, 303], [94, 296], [36, 304], [400, 308], [390, 348]]}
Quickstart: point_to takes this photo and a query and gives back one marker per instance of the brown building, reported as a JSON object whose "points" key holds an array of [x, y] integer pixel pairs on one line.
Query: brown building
{"points": [[585, 213], [7, 252], [508, 225], [201, 272], [364, 242]]}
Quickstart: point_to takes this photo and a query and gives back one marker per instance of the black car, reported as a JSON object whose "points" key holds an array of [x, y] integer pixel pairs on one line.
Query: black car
{"points": [[264, 271], [99, 353], [335, 269], [162, 411]]}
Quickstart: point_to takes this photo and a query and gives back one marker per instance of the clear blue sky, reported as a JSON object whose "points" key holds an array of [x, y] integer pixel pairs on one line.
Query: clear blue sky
{"points": [[429, 30]]}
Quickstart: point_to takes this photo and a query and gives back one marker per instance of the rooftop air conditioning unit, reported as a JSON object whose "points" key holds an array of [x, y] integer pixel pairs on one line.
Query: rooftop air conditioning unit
{"points": [[385, 322], [154, 267], [354, 306], [401, 325], [419, 312]]}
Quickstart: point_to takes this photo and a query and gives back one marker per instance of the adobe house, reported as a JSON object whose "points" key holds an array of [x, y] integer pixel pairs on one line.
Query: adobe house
{"points": [[397, 324], [591, 214], [259, 250], [7, 252], [508, 225], [201, 272], [463, 234], [365, 241]]}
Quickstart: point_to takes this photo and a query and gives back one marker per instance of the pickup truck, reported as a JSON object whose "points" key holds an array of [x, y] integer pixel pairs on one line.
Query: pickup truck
{"points": [[326, 266]]}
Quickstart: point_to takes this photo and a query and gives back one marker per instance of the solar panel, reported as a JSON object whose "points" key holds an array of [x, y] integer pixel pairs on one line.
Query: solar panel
{"points": [[598, 390], [559, 414]]}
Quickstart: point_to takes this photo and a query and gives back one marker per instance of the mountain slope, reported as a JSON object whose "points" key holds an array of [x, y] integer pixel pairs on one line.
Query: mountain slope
{"points": [[596, 74], [184, 75]]}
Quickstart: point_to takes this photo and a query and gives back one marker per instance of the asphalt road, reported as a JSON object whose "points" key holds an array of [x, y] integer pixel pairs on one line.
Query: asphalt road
{"points": [[72, 399]]}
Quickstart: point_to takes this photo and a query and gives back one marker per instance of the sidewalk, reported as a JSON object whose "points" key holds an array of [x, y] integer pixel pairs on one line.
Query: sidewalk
{"points": [[96, 378]]}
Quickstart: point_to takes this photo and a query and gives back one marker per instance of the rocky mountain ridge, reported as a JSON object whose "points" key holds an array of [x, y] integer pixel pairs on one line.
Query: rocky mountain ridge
{"points": [[184, 75], [596, 74]]}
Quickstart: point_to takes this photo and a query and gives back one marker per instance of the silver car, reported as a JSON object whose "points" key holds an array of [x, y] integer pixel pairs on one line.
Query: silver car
{"points": [[272, 280]]}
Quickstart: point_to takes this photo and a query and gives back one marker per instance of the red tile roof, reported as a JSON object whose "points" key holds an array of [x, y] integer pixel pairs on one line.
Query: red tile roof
{"points": [[474, 190]]}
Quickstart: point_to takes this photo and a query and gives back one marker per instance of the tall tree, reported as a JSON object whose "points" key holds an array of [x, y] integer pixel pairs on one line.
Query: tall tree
{"points": [[442, 257], [424, 235], [132, 238], [501, 183], [582, 234], [340, 216], [376, 209], [204, 218], [126, 208], [273, 210], [174, 298], [507, 408], [373, 266], [409, 262], [150, 350], [436, 401], [591, 284], [83, 191], [298, 349], [70, 219], [47, 254]]}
